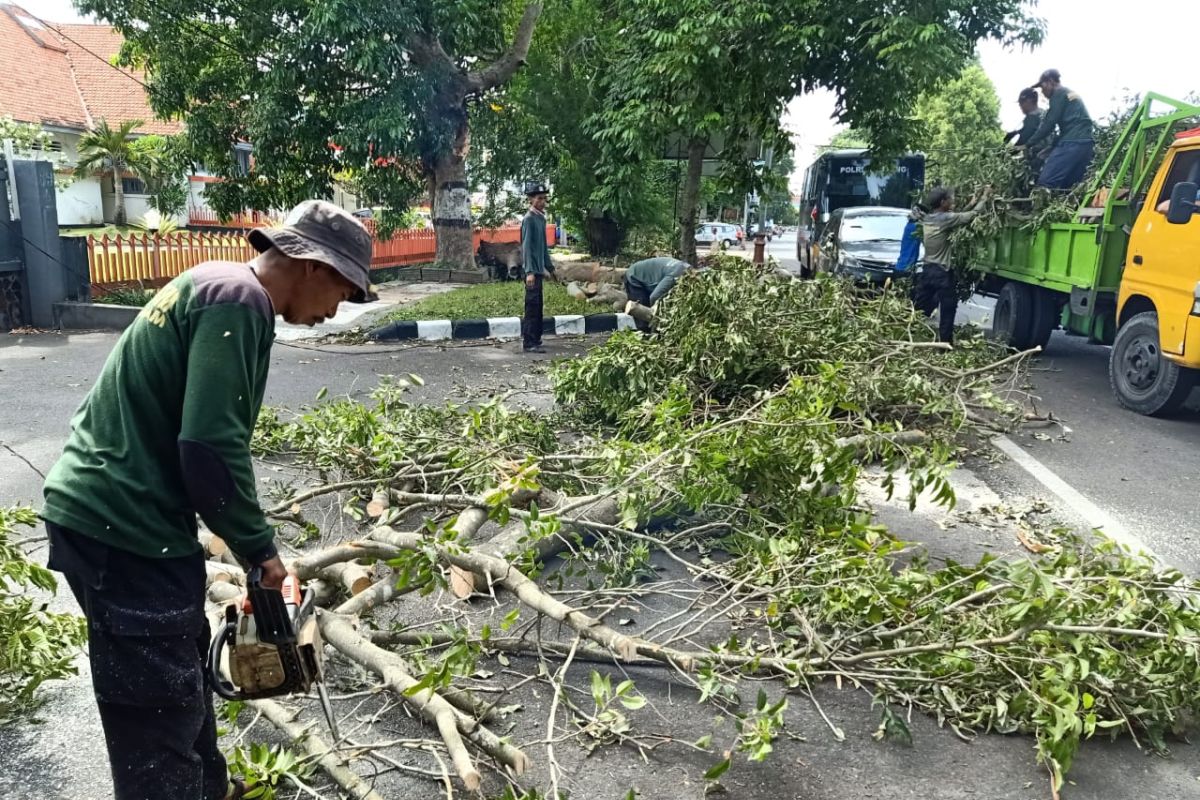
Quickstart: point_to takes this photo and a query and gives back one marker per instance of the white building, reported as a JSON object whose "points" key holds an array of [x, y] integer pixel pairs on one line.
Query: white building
{"points": [[62, 78]]}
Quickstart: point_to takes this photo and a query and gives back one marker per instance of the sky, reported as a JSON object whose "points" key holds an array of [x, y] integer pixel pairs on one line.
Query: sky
{"points": [[1103, 48]]}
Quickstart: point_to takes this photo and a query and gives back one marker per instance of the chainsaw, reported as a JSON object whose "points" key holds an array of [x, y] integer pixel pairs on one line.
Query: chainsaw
{"points": [[274, 646]]}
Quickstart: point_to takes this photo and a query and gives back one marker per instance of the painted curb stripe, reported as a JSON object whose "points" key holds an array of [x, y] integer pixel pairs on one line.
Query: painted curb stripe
{"points": [[504, 328], [500, 327], [470, 328], [434, 329]]}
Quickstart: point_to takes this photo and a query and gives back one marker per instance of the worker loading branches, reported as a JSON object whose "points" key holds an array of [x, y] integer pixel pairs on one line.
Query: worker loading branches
{"points": [[935, 288], [1069, 122]]}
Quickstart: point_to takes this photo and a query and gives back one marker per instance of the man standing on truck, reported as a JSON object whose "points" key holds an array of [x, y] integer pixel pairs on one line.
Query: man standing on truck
{"points": [[1074, 147], [1021, 137], [164, 435], [935, 287]]}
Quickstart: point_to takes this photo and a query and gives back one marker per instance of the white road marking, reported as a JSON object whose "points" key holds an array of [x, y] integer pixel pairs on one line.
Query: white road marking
{"points": [[1095, 516]]}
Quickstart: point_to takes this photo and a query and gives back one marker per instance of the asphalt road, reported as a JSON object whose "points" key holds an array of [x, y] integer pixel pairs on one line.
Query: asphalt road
{"points": [[1135, 469]]}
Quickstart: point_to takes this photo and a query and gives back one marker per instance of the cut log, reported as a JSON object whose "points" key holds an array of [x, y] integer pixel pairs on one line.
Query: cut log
{"points": [[380, 501], [223, 573], [352, 576], [222, 593], [588, 272], [639, 312], [214, 546]]}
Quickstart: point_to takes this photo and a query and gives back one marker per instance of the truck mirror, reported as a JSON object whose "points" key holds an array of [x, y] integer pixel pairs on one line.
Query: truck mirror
{"points": [[1183, 204]]}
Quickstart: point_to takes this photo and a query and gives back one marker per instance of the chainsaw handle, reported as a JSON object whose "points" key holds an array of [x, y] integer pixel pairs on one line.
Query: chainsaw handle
{"points": [[224, 689]]}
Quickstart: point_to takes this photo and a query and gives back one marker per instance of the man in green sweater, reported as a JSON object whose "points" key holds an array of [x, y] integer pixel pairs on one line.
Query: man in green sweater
{"points": [[164, 435], [535, 264], [1075, 145]]}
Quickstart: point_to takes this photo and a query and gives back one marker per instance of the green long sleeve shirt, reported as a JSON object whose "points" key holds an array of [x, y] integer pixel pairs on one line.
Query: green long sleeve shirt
{"points": [[165, 432], [535, 253], [1029, 127], [1069, 115]]}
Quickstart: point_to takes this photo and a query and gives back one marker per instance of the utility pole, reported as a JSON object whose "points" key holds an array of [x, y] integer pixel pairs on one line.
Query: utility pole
{"points": [[765, 157]]}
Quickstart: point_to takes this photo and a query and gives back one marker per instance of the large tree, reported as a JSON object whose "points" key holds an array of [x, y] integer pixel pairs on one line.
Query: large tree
{"points": [[319, 87], [959, 125], [701, 68]]}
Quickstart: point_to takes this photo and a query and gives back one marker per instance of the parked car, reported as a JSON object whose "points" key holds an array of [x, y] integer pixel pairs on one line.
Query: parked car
{"points": [[861, 242], [725, 233]]}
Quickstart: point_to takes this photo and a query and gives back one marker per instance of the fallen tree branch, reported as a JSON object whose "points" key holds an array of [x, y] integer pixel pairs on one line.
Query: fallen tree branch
{"points": [[450, 722], [315, 747]]}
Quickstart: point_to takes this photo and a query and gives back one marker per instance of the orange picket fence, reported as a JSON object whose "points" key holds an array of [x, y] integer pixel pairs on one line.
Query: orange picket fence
{"points": [[249, 219], [153, 260]]}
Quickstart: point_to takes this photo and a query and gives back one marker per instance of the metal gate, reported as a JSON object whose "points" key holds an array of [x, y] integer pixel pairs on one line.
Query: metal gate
{"points": [[14, 311]]}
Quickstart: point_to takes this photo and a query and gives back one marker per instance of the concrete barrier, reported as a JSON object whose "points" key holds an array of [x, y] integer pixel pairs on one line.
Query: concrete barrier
{"points": [[94, 316]]}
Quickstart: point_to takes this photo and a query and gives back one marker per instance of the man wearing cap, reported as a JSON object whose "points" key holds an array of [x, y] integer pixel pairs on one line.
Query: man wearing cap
{"points": [[536, 264], [164, 435], [1074, 147]]}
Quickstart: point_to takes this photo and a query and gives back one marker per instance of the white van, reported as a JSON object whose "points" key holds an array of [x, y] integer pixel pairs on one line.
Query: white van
{"points": [[723, 232]]}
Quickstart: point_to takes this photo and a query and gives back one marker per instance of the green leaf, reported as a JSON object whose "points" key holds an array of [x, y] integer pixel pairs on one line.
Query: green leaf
{"points": [[717, 770]]}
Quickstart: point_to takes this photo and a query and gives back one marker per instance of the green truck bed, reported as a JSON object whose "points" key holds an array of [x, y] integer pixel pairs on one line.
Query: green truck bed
{"points": [[1081, 261]]}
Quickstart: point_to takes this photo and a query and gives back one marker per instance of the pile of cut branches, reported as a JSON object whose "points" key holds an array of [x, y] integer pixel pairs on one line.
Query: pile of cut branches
{"points": [[741, 428]]}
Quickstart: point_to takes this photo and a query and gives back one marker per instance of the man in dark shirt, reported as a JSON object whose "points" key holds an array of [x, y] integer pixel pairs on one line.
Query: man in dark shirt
{"points": [[1068, 161], [164, 435], [536, 265]]}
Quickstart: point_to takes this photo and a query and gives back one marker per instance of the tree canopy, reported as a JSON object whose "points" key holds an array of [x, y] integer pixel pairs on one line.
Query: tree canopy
{"points": [[958, 125], [319, 87]]}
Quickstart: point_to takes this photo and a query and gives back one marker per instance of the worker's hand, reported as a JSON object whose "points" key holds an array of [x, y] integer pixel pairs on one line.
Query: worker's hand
{"points": [[273, 573], [530, 279]]}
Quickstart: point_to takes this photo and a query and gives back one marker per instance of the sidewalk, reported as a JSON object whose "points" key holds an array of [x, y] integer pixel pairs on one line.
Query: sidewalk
{"points": [[350, 315]]}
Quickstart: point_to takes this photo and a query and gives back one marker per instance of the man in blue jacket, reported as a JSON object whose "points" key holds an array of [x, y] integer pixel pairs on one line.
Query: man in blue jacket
{"points": [[910, 241], [536, 265]]}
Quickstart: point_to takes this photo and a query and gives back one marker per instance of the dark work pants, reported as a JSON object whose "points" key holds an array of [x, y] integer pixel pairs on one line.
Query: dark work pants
{"points": [[147, 640], [531, 323], [934, 290], [639, 295], [1066, 165]]}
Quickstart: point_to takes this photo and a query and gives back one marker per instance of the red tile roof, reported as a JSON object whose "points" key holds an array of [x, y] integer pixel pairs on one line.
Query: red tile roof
{"points": [[51, 77]]}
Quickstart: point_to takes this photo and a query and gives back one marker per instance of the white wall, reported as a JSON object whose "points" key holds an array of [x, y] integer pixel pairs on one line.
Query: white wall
{"points": [[80, 203]]}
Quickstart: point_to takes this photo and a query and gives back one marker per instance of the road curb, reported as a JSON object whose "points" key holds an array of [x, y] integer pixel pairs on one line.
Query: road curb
{"points": [[499, 327]]}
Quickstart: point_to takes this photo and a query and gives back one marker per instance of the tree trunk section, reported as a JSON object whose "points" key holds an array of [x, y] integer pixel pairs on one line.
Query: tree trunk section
{"points": [[691, 200], [118, 195], [452, 206], [604, 235]]}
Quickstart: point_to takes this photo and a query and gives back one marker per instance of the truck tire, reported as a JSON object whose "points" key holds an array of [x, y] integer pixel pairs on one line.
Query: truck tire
{"points": [[1012, 318], [1142, 379], [1045, 317]]}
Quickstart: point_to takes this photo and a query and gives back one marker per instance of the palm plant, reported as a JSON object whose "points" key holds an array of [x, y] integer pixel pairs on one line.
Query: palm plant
{"points": [[105, 150]]}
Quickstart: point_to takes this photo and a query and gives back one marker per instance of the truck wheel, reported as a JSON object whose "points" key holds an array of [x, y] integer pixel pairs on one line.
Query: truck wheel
{"points": [[1142, 378], [1045, 317], [1012, 318]]}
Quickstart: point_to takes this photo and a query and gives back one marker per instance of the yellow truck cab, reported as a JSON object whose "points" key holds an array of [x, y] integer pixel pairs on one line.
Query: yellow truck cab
{"points": [[1156, 353]]}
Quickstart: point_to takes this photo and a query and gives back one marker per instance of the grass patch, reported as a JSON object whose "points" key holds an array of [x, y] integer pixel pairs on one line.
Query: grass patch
{"points": [[505, 299], [126, 297]]}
